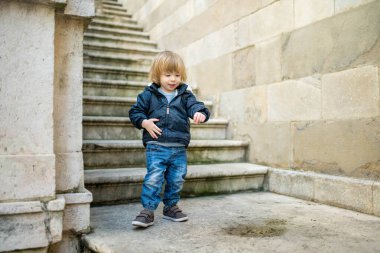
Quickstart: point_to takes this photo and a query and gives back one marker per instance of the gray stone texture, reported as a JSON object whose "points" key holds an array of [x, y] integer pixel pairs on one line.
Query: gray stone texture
{"points": [[345, 147], [245, 222], [337, 43]]}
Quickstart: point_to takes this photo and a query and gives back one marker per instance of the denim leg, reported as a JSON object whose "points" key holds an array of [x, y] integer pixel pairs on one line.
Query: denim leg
{"points": [[175, 176], [156, 160]]}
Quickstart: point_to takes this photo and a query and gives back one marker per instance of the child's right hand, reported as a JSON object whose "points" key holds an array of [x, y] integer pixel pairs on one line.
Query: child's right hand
{"points": [[152, 129]]}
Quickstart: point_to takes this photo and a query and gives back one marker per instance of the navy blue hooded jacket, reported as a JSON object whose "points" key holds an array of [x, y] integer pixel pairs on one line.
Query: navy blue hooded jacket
{"points": [[173, 117]]}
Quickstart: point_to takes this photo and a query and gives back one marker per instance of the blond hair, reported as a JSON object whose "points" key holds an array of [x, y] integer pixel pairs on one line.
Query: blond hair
{"points": [[167, 62]]}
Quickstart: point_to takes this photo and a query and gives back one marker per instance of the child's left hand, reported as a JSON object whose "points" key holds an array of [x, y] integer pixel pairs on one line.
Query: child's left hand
{"points": [[199, 118]]}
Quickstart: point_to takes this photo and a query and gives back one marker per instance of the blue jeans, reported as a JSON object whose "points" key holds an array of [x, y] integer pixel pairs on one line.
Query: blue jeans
{"points": [[163, 164]]}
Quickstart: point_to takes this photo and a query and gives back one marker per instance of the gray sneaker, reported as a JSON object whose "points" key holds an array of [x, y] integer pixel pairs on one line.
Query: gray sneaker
{"points": [[174, 213], [144, 219]]}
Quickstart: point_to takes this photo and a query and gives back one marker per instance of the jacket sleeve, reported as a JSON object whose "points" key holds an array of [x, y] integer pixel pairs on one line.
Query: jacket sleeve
{"points": [[193, 106], [139, 110]]}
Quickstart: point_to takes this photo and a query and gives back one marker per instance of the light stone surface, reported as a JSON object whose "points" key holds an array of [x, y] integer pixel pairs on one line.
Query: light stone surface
{"points": [[69, 171], [376, 198], [345, 5], [307, 12], [344, 192], [220, 81], [55, 226], [238, 223], [68, 90], [20, 207], [76, 216], [294, 100], [244, 68], [81, 8], [26, 84], [270, 144], [243, 107], [352, 93], [15, 228], [27, 177], [275, 19], [336, 147], [268, 61], [291, 183], [343, 41], [218, 15]]}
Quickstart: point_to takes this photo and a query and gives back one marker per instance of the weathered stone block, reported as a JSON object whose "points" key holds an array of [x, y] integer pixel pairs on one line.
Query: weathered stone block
{"points": [[376, 198], [270, 143], [343, 41], [249, 110], [40, 223], [221, 71], [347, 193], [68, 98], [27, 177], [336, 147], [275, 19], [307, 12], [219, 14], [345, 5], [352, 93], [268, 61], [15, 228], [26, 90], [69, 171], [81, 8], [294, 100], [211, 46], [244, 67], [76, 216], [292, 183]]}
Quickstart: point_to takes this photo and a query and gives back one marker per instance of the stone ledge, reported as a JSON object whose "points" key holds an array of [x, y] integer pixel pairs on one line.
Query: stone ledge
{"points": [[349, 193], [76, 216], [40, 222]]}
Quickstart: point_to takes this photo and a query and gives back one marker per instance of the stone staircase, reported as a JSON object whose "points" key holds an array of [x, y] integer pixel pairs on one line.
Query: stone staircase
{"points": [[117, 57]]}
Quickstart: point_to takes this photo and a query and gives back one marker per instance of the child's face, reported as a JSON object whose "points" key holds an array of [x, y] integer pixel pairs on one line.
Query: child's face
{"points": [[170, 81]]}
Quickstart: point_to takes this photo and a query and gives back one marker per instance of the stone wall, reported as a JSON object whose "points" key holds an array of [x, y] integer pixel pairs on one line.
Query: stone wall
{"points": [[42, 199], [299, 79]]}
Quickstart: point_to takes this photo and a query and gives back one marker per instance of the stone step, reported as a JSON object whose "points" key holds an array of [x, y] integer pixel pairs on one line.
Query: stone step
{"points": [[113, 106], [110, 7], [118, 32], [114, 72], [109, 186], [123, 51], [111, 3], [131, 153], [116, 25], [113, 88], [112, 59], [117, 41], [114, 13], [115, 19], [113, 128]]}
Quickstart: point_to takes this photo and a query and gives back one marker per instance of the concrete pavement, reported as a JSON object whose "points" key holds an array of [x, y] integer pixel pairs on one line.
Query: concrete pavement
{"points": [[243, 222]]}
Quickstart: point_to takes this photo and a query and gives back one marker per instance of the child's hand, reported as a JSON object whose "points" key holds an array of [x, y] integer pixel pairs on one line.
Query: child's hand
{"points": [[152, 129], [199, 118]]}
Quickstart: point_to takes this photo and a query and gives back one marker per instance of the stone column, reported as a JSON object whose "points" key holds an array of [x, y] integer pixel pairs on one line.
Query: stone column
{"points": [[40, 127], [27, 159], [68, 97]]}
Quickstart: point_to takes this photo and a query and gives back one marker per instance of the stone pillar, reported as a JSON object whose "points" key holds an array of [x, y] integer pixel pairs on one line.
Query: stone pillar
{"points": [[40, 128], [68, 96], [27, 159]]}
